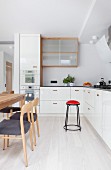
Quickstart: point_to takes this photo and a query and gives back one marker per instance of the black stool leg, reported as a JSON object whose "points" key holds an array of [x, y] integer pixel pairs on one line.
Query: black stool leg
{"points": [[78, 117], [66, 120], [77, 113]]}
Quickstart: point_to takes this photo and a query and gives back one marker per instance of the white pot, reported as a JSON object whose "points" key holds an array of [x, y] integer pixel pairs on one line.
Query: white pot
{"points": [[71, 84], [65, 84]]}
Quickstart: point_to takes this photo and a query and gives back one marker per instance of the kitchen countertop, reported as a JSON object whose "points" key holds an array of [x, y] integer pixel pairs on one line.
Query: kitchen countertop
{"points": [[82, 86], [62, 86]]}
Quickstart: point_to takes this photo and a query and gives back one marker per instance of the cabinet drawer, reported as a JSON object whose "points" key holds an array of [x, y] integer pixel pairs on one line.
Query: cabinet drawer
{"points": [[53, 107], [55, 93], [89, 97], [76, 94], [89, 113]]}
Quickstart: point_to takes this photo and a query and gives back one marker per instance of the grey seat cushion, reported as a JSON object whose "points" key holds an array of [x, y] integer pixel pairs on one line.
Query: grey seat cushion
{"points": [[16, 116], [12, 127], [7, 109]]}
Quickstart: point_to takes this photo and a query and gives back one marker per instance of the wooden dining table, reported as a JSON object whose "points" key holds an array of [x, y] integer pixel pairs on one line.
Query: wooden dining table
{"points": [[9, 99]]}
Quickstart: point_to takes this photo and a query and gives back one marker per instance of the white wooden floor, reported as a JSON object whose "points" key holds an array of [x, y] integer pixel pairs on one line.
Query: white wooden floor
{"points": [[59, 150]]}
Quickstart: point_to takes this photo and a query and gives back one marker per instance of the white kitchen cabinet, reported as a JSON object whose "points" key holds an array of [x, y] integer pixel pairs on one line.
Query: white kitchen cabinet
{"points": [[55, 93], [29, 51], [107, 117], [84, 102], [89, 113], [89, 96], [93, 108], [88, 102], [77, 94], [97, 116], [53, 99], [53, 107]]}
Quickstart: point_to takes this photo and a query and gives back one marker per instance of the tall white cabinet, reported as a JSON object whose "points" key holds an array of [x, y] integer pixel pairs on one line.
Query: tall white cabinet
{"points": [[26, 55], [29, 51]]}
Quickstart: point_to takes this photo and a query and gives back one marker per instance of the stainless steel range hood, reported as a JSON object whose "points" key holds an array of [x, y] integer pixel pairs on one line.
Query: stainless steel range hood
{"points": [[104, 46]]}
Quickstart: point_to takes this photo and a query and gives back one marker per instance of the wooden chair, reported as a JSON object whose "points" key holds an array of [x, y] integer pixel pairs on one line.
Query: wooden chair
{"points": [[34, 118], [35, 103], [16, 129]]}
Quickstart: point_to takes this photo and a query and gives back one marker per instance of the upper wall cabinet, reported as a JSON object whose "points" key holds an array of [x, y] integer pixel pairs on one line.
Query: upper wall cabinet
{"points": [[29, 51], [59, 52]]}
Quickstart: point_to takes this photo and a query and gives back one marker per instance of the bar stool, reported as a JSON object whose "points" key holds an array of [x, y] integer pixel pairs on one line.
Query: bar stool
{"points": [[72, 103]]}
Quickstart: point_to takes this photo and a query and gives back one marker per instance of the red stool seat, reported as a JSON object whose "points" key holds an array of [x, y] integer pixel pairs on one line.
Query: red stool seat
{"points": [[72, 102]]}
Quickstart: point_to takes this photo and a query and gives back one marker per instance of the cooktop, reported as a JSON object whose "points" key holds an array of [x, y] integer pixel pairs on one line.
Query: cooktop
{"points": [[103, 86]]}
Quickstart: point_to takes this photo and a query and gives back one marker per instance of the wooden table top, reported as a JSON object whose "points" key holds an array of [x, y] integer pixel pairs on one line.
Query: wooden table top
{"points": [[9, 99]]}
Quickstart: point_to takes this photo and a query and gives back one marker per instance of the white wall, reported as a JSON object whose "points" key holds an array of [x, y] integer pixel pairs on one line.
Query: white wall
{"points": [[16, 81], [90, 68], [107, 71]]}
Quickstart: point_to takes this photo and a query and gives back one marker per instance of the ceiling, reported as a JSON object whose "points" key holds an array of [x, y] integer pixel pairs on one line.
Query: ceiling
{"points": [[46, 17], [98, 21], [67, 18]]}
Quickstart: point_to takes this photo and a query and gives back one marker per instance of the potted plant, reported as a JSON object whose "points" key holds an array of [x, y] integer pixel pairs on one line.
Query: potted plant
{"points": [[69, 80]]}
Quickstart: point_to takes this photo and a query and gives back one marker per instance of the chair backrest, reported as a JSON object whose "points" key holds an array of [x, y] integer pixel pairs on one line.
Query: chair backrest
{"points": [[35, 102], [26, 108]]}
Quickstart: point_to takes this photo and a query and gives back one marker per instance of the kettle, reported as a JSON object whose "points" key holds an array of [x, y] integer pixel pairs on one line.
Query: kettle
{"points": [[102, 82]]}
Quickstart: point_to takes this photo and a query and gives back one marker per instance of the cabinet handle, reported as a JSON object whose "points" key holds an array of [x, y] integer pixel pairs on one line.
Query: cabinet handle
{"points": [[34, 66], [88, 92], [54, 103], [97, 94], [76, 90], [54, 90], [88, 108]]}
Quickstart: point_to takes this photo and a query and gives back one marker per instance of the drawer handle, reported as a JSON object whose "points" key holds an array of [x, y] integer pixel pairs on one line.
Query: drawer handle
{"points": [[97, 94], [88, 92], [76, 90], [54, 90], [54, 103], [88, 108]]}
